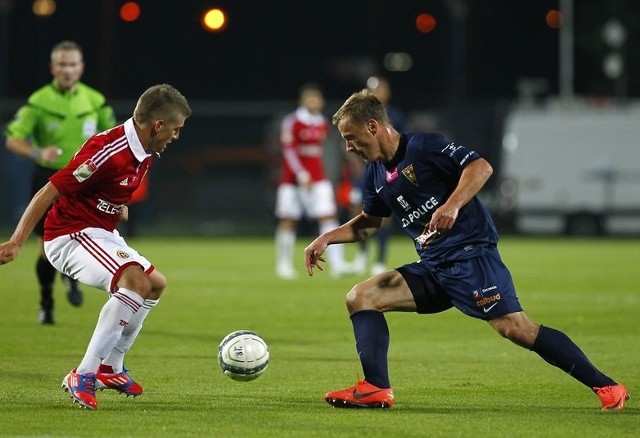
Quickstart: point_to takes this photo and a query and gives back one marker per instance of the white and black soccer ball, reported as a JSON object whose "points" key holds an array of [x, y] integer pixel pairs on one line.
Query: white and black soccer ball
{"points": [[243, 355]]}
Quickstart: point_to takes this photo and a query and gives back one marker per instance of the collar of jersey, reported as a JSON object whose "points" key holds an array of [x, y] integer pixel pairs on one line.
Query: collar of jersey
{"points": [[399, 155], [133, 140], [306, 117]]}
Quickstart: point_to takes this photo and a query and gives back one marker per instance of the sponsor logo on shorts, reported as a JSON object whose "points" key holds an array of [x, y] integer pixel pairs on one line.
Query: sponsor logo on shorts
{"points": [[122, 254], [487, 309], [487, 302]]}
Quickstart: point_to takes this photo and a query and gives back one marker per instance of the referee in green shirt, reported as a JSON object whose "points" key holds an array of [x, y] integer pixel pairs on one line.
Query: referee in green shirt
{"points": [[56, 120]]}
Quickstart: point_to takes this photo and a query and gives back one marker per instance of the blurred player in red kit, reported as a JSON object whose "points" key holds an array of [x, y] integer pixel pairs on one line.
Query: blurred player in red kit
{"points": [[304, 187]]}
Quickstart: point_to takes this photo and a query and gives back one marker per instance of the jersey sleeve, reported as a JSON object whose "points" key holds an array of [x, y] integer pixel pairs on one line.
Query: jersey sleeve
{"points": [[288, 142], [23, 123], [448, 156], [80, 174]]}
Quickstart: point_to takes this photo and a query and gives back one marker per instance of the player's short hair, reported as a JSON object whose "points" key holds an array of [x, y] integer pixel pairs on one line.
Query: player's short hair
{"points": [[159, 102], [360, 107], [66, 45]]}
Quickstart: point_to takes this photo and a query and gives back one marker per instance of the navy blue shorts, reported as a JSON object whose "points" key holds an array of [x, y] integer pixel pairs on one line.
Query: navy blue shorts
{"points": [[480, 287]]}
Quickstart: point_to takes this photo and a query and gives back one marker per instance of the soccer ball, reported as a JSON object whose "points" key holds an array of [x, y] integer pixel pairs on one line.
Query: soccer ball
{"points": [[243, 355]]}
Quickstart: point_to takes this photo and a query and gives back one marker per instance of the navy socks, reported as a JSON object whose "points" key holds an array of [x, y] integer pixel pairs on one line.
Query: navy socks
{"points": [[372, 344], [558, 350]]}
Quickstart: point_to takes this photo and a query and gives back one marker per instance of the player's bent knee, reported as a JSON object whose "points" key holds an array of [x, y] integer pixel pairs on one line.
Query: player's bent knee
{"points": [[355, 301], [520, 331], [352, 301], [134, 279], [158, 284], [358, 298], [143, 288]]}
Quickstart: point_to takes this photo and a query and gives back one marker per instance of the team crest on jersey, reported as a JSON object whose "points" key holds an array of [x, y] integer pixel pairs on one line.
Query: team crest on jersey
{"points": [[410, 174], [122, 254], [85, 170]]}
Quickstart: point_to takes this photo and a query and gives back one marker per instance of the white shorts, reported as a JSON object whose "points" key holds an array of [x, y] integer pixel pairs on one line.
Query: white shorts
{"points": [[94, 256], [293, 201]]}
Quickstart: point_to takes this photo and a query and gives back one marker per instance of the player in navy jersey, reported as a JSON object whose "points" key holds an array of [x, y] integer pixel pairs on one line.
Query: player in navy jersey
{"points": [[380, 88], [429, 184], [89, 197]]}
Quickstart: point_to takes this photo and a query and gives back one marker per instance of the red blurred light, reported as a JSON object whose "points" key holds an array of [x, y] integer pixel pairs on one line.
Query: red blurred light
{"points": [[130, 11], [554, 19], [425, 23]]}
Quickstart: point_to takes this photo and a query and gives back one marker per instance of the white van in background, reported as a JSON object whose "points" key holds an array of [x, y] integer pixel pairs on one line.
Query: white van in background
{"points": [[572, 170]]}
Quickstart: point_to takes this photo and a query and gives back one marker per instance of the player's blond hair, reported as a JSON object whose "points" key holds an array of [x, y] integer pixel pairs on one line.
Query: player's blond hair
{"points": [[161, 102], [360, 107]]}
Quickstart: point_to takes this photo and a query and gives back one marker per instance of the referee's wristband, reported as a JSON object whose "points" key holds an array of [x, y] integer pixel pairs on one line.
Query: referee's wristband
{"points": [[35, 154]]}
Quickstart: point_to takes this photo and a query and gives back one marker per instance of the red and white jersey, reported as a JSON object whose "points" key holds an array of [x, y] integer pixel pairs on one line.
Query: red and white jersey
{"points": [[97, 182], [302, 137]]}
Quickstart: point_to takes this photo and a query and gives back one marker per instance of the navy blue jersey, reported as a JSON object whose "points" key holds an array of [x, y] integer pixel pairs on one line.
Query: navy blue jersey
{"points": [[421, 176]]}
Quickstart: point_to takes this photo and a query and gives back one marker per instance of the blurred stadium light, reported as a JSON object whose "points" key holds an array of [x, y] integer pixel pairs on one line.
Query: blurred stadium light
{"points": [[425, 22], [130, 11], [214, 20], [44, 8]]}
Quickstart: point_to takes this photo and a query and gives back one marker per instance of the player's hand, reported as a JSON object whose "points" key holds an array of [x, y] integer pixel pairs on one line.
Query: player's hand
{"points": [[8, 252], [124, 214], [303, 178], [443, 218], [50, 154], [313, 256]]}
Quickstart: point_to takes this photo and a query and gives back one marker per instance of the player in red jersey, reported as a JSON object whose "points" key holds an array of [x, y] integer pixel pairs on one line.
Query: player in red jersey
{"points": [[304, 187], [89, 197]]}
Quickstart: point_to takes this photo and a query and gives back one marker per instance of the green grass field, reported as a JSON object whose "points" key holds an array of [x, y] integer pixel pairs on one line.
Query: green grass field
{"points": [[452, 375]]}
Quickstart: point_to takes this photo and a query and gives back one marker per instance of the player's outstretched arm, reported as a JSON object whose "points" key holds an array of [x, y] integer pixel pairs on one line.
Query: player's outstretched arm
{"points": [[39, 204], [358, 228], [24, 149]]}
